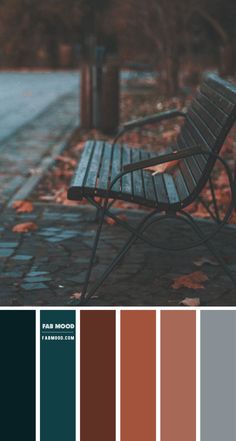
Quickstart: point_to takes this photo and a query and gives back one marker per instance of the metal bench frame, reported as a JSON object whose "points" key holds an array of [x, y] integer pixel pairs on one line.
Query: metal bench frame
{"points": [[157, 215]]}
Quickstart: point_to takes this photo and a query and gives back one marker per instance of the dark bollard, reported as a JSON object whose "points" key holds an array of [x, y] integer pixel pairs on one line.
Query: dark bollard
{"points": [[100, 93]]}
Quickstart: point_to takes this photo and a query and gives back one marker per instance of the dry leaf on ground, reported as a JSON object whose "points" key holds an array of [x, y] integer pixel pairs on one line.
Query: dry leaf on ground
{"points": [[23, 206], [111, 221], [193, 281], [188, 301], [76, 296], [67, 160], [202, 260], [78, 147], [24, 227]]}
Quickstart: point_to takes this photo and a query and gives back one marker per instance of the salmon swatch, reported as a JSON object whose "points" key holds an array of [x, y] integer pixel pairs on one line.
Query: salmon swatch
{"points": [[138, 375], [178, 375]]}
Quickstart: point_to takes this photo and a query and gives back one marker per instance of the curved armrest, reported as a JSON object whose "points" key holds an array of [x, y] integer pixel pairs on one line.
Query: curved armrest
{"points": [[162, 159], [150, 119]]}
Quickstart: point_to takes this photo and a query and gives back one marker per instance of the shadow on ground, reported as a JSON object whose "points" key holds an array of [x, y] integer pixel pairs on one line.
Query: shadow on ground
{"points": [[47, 266]]}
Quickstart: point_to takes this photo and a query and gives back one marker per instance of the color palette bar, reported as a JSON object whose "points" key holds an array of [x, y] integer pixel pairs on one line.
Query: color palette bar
{"points": [[178, 375], [97, 375], [57, 375], [138, 375], [17, 375], [188, 362]]}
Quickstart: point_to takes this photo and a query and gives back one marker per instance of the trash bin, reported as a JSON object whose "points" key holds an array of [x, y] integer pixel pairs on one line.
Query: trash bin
{"points": [[100, 93]]}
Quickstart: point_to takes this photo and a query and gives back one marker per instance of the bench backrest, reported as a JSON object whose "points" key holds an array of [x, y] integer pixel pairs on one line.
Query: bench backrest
{"points": [[209, 118]]}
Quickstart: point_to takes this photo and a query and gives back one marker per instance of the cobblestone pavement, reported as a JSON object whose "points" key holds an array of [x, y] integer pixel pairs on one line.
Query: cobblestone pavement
{"points": [[24, 95], [26, 154], [47, 266]]}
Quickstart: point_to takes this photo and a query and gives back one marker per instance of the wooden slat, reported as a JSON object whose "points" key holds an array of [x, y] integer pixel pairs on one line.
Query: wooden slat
{"points": [[219, 100], [218, 113], [81, 172], [148, 183], [127, 179], [160, 189], [223, 88], [104, 173], [209, 119], [170, 188], [138, 190], [93, 172], [202, 127], [180, 185], [191, 162], [116, 167]]}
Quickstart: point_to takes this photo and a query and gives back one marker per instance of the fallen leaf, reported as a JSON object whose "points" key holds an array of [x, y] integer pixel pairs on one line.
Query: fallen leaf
{"points": [[188, 301], [202, 260], [193, 281], [111, 221], [23, 206], [233, 218], [79, 146], [161, 168], [76, 296], [24, 227], [67, 160]]}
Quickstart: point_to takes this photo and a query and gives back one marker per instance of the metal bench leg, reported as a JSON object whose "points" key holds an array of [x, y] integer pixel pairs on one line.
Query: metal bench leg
{"points": [[133, 237], [92, 258], [210, 246], [214, 200]]}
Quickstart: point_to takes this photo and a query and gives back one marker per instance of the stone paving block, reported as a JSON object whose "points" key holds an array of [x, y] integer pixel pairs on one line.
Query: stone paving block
{"points": [[33, 286], [9, 244], [22, 257], [37, 273], [6, 252], [36, 279], [54, 239]]}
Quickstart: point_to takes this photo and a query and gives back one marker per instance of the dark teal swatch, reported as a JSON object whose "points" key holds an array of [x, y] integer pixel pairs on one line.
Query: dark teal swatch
{"points": [[57, 375], [17, 375]]}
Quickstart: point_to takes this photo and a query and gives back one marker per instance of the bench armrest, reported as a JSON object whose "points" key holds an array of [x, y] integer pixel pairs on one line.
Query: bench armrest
{"points": [[151, 119], [162, 159]]}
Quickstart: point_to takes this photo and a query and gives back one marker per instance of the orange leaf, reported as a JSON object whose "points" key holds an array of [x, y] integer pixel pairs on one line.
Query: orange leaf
{"points": [[193, 281], [188, 301], [161, 168], [24, 227], [67, 160], [111, 221], [23, 206], [76, 296]]}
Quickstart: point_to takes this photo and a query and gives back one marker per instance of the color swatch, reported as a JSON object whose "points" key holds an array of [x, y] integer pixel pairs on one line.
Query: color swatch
{"points": [[218, 375], [178, 375], [17, 375], [97, 375], [138, 375], [57, 375]]}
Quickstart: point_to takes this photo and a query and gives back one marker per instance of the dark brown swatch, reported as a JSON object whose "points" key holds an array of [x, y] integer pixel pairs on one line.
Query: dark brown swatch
{"points": [[97, 375], [138, 376], [178, 375]]}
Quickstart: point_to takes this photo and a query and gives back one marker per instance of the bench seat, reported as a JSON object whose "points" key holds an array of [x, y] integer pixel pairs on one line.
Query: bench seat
{"points": [[100, 163]]}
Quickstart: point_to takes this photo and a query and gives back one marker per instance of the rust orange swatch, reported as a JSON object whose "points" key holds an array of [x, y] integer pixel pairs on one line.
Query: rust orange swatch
{"points": [[178, 375], [138, 375]]}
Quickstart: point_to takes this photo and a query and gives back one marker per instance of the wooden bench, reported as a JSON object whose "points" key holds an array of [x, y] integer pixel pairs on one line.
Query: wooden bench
{"points": [[118, 171]]}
